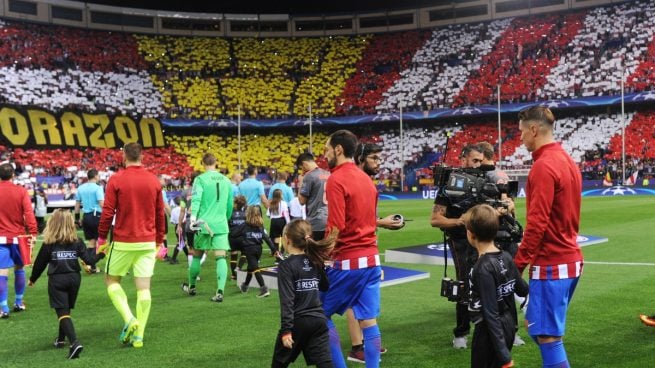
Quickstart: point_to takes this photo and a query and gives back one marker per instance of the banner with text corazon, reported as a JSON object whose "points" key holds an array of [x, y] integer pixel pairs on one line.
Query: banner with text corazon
{"points": [[22, 126]]}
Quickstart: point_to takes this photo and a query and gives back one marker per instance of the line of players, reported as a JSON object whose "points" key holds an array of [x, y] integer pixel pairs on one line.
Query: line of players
{"points": [[354, 271]]}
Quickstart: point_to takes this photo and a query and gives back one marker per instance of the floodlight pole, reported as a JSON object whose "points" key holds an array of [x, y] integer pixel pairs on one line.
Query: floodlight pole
{"points": [[402, 151], [500, 137], [623, 126], [239, 135], [310, 129]]}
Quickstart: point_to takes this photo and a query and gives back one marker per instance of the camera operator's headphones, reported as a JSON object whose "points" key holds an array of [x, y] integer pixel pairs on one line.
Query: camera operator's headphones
{"points": [[365, 149], [360, 156]]}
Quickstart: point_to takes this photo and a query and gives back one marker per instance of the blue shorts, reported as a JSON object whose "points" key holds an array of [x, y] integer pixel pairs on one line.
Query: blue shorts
{"points": [[356, 289], [549, 301], [10, 256]]}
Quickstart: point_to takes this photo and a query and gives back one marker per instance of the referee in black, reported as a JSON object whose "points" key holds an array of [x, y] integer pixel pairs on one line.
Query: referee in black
{"points": [[90, 197]]}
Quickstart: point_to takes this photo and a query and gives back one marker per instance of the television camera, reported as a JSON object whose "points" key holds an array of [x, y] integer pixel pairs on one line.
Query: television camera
{"points": [[467, 187]]}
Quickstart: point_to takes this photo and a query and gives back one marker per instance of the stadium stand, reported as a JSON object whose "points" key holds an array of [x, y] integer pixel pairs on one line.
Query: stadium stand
{"points": [[521, 59], [382, 60], [267, 72], [556, 56], [58, 67], [440, 69], [551, 56], [185, 71], [186, 55], [267, 78], [417, 140], [578, 135], [57, 162], [28, 45], [322, 89], [115, 93], [612, 38], [639, 138]]}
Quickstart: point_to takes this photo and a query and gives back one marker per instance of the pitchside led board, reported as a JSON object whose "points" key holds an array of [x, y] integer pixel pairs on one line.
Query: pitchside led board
{"points": [[36, 127], [434, 253]]}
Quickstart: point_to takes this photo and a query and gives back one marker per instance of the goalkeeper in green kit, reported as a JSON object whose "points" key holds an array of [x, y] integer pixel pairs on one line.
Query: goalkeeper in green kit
{"points": [[211, 207]]}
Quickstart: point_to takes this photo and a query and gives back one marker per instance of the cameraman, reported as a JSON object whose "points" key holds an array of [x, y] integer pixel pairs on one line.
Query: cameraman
{"points": [[496, 176], [499, 177], [449, 219]]}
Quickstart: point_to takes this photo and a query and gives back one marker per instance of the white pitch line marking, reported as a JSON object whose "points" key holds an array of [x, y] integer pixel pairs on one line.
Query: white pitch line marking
{"points": [[620, 263]]}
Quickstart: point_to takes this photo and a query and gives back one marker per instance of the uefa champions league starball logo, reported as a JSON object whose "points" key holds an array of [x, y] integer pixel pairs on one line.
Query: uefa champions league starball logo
{"points": [[467, 111], [387, 117], [306, 122], [440, 246], [554, 104], [221, 123], [581, 239], [306, 267], [645, 96], [618, 190]]}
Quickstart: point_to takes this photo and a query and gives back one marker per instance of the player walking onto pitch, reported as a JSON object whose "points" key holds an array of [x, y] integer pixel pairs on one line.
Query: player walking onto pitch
{"points": [[368, 159], [211, 207], [185, 221], [15, 216], [355, 276], [60, 250], [134, 196], [300, 277], [312, 193]]}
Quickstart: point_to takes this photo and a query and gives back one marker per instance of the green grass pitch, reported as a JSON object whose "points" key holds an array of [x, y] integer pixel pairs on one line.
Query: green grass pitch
{"points": [[602, 330]]}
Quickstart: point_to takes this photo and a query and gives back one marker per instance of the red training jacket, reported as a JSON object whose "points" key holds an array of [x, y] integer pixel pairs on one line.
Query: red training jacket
{"points": [[134, 195], [16, 212], [352, 203], [554, 195]]}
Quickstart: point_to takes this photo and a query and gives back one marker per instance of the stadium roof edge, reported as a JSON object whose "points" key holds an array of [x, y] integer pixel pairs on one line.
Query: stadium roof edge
{"points": [[137, 17]]}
